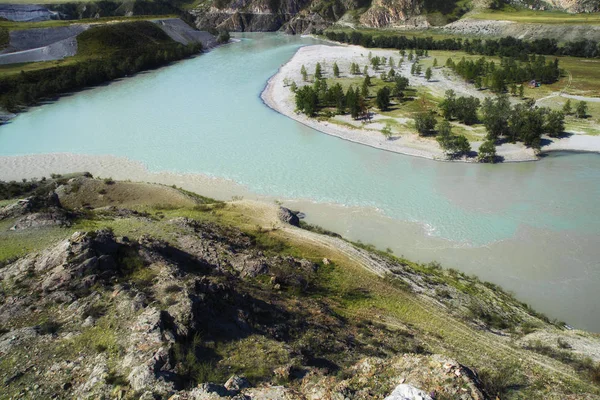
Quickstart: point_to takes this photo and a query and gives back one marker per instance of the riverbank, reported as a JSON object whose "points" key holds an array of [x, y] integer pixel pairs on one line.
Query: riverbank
{"points": [[278, 96], [517, 262]]}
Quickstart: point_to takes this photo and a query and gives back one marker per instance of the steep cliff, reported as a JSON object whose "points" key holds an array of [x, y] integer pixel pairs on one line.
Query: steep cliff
{"points": [[304, 16]]}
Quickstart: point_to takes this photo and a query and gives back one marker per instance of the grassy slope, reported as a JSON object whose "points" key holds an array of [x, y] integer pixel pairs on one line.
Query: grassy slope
{"points": [[392, 305], [95, 45]]}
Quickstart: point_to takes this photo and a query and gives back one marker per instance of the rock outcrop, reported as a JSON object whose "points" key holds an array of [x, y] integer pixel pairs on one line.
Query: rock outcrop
{"points": [[306, 16], [26, 12]]}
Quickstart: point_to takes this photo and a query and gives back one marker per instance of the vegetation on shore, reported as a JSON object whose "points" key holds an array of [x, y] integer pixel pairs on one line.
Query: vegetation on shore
{"points": [[504, 47], [106, 52], [356, 93]]}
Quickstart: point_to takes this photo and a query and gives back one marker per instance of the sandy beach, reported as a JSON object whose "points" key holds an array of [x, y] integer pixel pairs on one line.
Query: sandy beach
{"points": [[278, 96]]}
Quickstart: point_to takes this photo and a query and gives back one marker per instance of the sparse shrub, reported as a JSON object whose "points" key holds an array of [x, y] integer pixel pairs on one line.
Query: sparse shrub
{"points": [[528, 327], [563, 344], [95, 311], [499, 381], [48, 328], [172, 288], [109, 181], [116, 379]]}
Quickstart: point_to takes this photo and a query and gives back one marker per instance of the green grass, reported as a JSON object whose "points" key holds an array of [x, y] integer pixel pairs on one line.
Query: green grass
{"points": [[19, 243], [92, 44], [538, 17], [108, 38]]}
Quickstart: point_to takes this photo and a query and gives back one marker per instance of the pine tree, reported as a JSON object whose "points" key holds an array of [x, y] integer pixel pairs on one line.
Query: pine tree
{"points": [[581, 110], [428, 74], [336, 70], [435, 62], [391, 62], [365, 89], [567, 109], [304, 73], [521, 91], [318, 71]]}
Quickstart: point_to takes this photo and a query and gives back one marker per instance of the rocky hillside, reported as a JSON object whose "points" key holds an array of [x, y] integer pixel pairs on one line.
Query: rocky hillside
{"points": [[138, 291], [302, 16]]}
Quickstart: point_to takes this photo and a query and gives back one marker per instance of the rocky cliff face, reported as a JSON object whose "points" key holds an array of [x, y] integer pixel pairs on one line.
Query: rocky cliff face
{"points": [[304, 16], [572, 6]]}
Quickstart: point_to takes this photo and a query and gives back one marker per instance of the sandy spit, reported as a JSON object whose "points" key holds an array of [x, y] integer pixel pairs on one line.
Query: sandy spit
{"points": [[120, 168], [278, 96]]}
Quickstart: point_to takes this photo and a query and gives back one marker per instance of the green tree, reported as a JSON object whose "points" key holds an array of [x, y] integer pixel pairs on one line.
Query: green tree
{"points": [[428, 74], [336, 70], [522, 91], [307, 100], [364, 90], [318, 71], [383, 98], [366, 70], [581, 110], [352, 102], [425, 123], [444, 135], [487, 152], [555, 123], [495, 116], [448, 105], [375, 62], [435, 62], [400, 84], [391, 62], [387, 131], [567, 108], [465, 109], [304, 73]]}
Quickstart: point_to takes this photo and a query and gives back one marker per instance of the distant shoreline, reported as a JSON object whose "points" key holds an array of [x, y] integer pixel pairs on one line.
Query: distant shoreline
{"points": [[279, 98]]}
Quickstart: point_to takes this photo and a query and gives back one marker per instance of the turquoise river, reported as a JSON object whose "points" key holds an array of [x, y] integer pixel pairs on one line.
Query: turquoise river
{"points": [[533, 228]]}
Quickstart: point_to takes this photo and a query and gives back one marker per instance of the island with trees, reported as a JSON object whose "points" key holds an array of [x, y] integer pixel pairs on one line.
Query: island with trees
{"points": [[438, 104]]}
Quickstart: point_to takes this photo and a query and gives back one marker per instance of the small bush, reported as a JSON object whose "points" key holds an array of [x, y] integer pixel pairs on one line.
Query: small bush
{"points": [[172, 288], [109, 181], [48, 328], [498, 382]]}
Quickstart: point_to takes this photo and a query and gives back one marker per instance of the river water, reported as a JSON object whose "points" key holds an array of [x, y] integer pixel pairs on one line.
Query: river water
{"points": [[533, 228]]}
